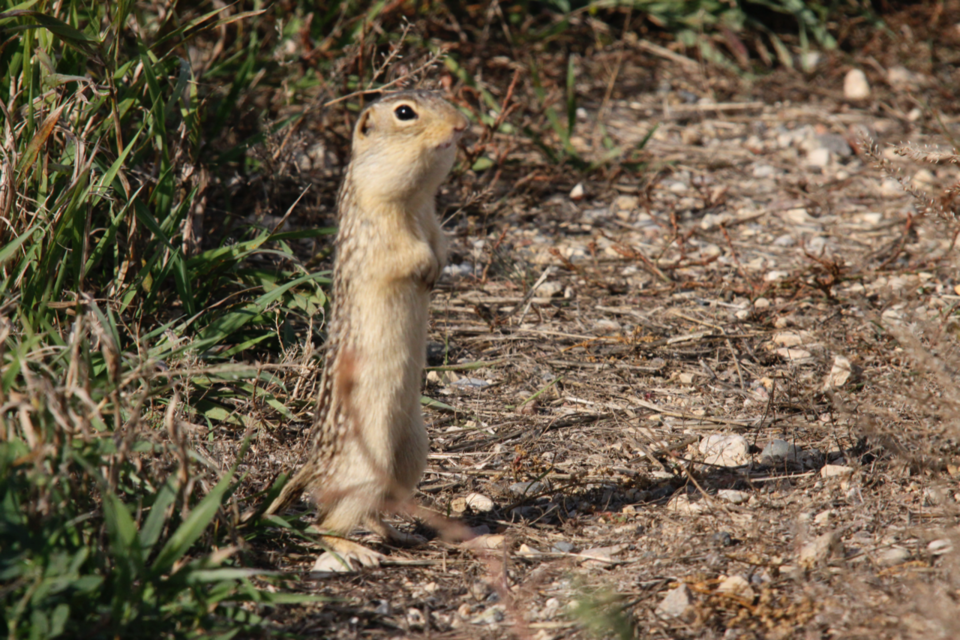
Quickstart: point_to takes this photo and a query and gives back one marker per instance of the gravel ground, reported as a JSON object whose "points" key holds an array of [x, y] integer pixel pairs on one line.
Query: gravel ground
{"points": [[714, 397]]}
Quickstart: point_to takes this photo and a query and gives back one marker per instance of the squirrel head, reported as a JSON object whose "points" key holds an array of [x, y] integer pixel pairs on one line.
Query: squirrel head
{"points": [[404, 144]]}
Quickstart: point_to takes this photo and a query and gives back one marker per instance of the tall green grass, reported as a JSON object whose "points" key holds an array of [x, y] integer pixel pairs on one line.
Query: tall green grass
{"points": [[117, 322]]}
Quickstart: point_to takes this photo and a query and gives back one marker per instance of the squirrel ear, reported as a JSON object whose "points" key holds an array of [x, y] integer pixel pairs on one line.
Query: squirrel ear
{"points": [[365, 125]]}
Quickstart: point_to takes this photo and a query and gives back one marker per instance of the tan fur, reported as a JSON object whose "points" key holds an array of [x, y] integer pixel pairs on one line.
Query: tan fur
{"points": [[369, 445]]}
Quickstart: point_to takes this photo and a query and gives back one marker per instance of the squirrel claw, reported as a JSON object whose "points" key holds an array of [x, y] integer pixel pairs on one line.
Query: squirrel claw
{"points": [[344, 556]]}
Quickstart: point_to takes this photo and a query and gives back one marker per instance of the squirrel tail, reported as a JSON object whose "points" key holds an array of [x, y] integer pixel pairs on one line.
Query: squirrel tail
{"points": [[288, 495], [291, 491]]}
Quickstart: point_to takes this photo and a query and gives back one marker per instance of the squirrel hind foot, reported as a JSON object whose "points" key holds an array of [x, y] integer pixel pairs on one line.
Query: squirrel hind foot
{"points": [[344, 556], [390, 534]]}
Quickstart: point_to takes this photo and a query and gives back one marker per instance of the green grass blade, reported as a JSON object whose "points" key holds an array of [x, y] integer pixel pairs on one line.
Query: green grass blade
{"points": [[231, 322], [191, 529], [436, 404], [156, 519], [8, 250], [70, 36], [571, 97]]}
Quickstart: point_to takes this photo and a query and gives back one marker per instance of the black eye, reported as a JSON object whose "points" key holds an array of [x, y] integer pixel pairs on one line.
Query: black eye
{"points": [[405, 112]]}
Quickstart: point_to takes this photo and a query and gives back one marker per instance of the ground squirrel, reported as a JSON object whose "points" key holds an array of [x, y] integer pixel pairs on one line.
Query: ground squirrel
{"points": [[369, 444]]}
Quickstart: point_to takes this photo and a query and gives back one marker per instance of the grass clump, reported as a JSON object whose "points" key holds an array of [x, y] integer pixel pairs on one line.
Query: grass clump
{"points": [[119, 318], [95, 536]]}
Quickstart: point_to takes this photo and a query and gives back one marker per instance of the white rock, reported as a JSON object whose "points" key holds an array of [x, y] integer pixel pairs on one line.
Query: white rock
{"points": [[778, 450], [690, 136], [809, 60], [491, 616], [458, 270], [415, 619], [890, 187], [940, 547], [529, 488], [933, 496], [893, 556], [737, 586], [549, 289], [823, 518], [606, 326], [835, 143], [904, 284], [839, 374], [562, 546], [713, 220], [870, 217], [485, 541], [479, 502], [623, 206], [771, 276], [471, 383], [817, 245], [603, 555], [901, 77], [550, 609], [733, 497], [725, 450], [675, 603], [684, 505], [924, 178], [835, 471], [793, 354], [820, 549], [855, 85], [797, 216], [761, 303], [893, 316], [710, 250], [577, 192], [818, 158], [890, 153], [764, 171], [788, 339]]}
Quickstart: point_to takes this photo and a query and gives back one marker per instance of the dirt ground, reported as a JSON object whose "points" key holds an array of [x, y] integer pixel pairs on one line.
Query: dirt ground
{"points": [[709, 398]]}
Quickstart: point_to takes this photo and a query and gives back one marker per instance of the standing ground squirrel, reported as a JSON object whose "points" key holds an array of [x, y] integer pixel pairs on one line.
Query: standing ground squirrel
{"points": [[369, 443]]}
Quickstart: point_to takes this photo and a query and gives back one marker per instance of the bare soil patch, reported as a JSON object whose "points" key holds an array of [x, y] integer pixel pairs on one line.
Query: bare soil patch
{"points": [[760, 278]]}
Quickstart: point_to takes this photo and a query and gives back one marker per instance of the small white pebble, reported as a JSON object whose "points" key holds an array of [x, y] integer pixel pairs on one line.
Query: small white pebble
{"points": [[940, 547], [835, 470], [855, 85]]}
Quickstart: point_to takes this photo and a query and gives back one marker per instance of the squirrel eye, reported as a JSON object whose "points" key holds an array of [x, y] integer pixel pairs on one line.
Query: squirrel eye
{"points": [[404, 112]]}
